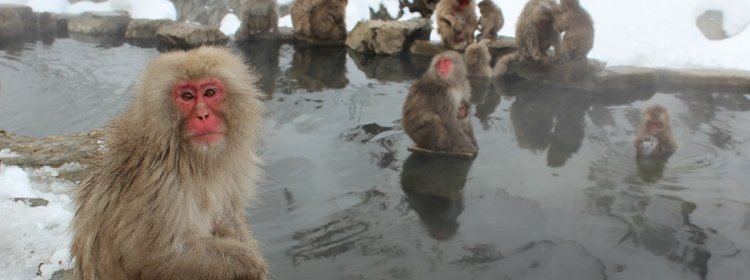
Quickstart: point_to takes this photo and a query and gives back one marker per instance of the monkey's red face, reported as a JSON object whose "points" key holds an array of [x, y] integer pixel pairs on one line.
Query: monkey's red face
{"points": [[200, 102], [443, 66], [654, 126], [463, 3]]}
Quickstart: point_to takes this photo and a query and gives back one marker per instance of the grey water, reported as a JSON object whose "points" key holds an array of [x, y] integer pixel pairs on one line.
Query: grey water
{"points": [[555, 192]]}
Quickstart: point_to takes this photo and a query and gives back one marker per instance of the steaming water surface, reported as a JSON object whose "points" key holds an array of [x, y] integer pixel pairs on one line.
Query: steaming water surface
{"points": [[555, 192]]}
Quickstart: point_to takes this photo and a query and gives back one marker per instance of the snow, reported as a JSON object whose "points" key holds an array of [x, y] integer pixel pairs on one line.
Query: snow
{"points": [[229, 24], [143, 9], [636, 32]]}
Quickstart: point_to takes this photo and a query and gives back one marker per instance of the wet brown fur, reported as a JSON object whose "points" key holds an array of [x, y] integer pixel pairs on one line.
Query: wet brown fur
{"points": [[667, 144], [535, 32], [456, 25], [158, 206], [572, 18], [477, 58], [432, 106], [490, 21], [319, 19]]}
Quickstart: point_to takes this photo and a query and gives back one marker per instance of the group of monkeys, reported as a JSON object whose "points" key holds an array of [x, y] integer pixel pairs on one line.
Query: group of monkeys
{"points": [[167, 196], [538, 29]]}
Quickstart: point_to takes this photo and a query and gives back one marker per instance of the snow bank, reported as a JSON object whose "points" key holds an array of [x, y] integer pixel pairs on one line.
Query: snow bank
{"points": [[145, 9]]}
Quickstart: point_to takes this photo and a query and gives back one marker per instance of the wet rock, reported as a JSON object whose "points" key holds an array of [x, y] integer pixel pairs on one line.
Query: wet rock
{"points": [[62, 25], [285, 35], [100, 23], [711, 24], [47, 24], [62, 275], [52, 151], [189, 35], [32, 202], [498, 47], [380, 14], [143, 29], [209, 12], [703, 80], [387, 67], [11, 24], [387, 37]]}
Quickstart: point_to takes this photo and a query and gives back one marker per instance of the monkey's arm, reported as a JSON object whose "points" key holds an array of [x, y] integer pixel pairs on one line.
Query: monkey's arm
{"points": [[206, 258]]}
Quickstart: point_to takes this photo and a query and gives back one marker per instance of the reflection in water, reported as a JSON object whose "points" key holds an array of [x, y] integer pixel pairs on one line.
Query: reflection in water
{"points": [[434, 189], [387, 67], [651, 169], [319, 67], [659, 224], [487, 101], [264, 57], [547, 117]]}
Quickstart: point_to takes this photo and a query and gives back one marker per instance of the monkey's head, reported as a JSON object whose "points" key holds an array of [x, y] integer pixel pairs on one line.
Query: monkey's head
{"points": [[485, 6], [655, 119], [449, 67], [204, 98]]}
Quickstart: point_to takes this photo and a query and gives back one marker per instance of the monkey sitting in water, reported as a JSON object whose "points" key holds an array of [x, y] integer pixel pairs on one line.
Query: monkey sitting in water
{"points": [[655, 137], [436, 110]]}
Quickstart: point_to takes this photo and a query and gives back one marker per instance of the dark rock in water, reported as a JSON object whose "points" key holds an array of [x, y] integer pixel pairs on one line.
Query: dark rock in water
{"points": [[47, 25], [388, 67], [11, 24], [285, 35], [498, 47], [32, 202], [142, 29], [711, 24], [189, 35], [108, 23], [387, 37]]}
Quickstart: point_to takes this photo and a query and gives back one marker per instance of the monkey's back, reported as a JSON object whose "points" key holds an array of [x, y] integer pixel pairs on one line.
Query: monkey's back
{"points": [[423, 112]]}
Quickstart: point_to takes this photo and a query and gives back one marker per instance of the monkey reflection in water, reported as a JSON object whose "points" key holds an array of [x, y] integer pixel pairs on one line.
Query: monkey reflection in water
{"points": [[433, 185], [319, 67]]}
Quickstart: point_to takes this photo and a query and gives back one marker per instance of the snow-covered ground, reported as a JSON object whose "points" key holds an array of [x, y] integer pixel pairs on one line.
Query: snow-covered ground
{"points": [[635, 32]]}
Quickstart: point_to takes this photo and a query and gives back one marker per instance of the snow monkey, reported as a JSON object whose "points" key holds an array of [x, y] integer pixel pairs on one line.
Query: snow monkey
{"points": [[167, 198], [456, 21], [258, 16], [490, 21], [654, 133], [477, 58], [319, 19], [571, 18], [436, 110], [535, 32]]}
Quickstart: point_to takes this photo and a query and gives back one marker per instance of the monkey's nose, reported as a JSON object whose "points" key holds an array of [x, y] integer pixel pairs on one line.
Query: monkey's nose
{"points": [[203, 116]]}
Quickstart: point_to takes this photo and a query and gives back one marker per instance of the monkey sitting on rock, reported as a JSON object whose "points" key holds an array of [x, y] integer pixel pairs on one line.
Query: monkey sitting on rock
{"points": [[456, 22], [578, 27]]}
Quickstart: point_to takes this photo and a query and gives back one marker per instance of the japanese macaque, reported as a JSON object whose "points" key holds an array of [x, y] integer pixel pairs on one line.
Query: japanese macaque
{"points": [[571, 18], [456, 21], [435, 114], [490, 21], [477, 58], [167, 198], [319, 19], [654, 134], [258, 16], [501, 65], [535, 31]]}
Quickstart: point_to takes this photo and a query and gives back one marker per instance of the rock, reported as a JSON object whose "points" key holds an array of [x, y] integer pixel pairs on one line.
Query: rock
{"points": [[711, 24], [381, 14], [388, 67], [62, 25], [498, 47], [46, 24], [208, 12], [53, 151], [189, 35], [32, 202], [63, 275], [703, 80], [387, 37], [100, 23], [285, 35], [11, 24], [426, 48], [140, 29]]}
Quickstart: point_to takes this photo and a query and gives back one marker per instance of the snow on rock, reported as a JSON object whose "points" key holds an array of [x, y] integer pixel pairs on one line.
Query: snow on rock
{"points": [[736, 13]]}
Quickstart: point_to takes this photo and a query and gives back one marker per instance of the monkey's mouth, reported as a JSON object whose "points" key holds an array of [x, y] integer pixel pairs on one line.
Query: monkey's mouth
{"points": [[207, 137], [654, 126]]}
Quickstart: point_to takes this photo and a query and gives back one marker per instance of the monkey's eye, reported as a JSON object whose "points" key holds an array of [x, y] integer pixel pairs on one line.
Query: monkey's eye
{"points": [[210, 92], [186, 95]]}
